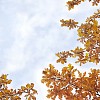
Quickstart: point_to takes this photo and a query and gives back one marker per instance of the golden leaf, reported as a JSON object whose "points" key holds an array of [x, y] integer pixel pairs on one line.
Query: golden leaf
{"points": [[28, 86], [9, 81], [23, 87]]}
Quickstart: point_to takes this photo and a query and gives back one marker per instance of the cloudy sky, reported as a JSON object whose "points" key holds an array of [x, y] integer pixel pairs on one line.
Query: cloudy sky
{"points": [[30, 35]]}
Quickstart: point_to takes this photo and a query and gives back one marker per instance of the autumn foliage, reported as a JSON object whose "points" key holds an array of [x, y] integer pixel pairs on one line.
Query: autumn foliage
{"points": [[66, 84], [69, 83], [15, 94]]}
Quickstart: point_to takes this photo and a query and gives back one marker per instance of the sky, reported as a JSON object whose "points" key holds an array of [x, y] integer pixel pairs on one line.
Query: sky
{"points": [[30, 35]]}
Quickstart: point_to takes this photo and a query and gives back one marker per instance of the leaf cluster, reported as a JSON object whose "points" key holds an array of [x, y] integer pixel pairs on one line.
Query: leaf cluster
{"points": [[89, 34], [13, 94], [72, 3], [71, 84]]}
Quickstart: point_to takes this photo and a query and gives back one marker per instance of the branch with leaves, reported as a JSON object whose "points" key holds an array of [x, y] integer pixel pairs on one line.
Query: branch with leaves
{"points": [[13, 94], [71, 84], [89, 34], [72, 3]]}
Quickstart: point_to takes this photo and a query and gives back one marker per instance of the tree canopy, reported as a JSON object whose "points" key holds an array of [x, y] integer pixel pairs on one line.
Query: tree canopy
{"points": [[69, 83]]}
